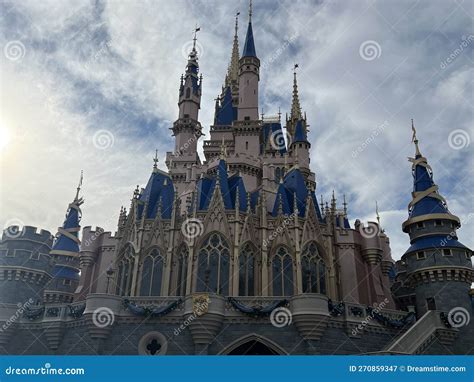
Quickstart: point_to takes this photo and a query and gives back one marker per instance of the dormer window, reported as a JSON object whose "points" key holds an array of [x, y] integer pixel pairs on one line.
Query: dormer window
{"points": [[420, 255], [447, 252], [420, 225], [468, 255], [438, 223]]}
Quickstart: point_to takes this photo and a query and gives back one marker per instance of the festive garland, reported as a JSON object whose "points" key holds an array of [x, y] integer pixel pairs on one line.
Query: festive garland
{"points": [[52, 312], [356, 311], [33, 314], [335, 310], [256, 311], [151, 311], [76, 311], [387, 321]]}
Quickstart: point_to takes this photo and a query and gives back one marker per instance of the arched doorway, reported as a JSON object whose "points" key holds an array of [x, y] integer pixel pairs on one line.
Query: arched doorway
{"points": [[252, 347], [253, 344]]}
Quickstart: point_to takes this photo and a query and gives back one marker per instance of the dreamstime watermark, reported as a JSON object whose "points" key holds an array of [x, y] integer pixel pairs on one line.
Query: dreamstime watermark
{"points": [[281, 317], [13, 228], [277, 140], [103, 317], [278, 231], [370, 50], [21, 309], [44, 370], [278, 52], [188, 47], [459, 139], [452, 235], [375, 133], [103, 139], [192, 228], [199, 310], [184, 147], [459, 317], [372, 230], [14, 50], [465, 42], [376, 310]]}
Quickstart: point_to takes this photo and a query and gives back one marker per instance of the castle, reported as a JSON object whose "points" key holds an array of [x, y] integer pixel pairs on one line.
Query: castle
{"points": [[235, 254]]}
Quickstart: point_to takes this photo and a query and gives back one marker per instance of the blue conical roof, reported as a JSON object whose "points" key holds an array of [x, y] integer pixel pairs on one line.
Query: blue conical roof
{"points": [[249, 47], [67, 238]]}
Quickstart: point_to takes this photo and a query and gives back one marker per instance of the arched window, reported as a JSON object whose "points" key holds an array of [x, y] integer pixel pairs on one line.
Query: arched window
{"points": [[152, 274], [213, 266], [282, 273], [313, 270], [180, 270], [188, 92], [247, 271], [277, 174], [125, 269]]}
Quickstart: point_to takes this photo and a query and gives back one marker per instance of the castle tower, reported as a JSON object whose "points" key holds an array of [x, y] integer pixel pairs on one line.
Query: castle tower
{"points": [[65, 252], [249, 66], [25, 266], [438, 266], [297, 129], [187, 128]]}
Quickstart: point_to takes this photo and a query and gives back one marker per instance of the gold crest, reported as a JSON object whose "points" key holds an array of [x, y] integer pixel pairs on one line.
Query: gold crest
{"points": [[201, 304]]}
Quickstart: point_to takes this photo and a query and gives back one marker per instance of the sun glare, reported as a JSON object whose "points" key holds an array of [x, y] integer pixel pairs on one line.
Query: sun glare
{"points": [[4, 137]]}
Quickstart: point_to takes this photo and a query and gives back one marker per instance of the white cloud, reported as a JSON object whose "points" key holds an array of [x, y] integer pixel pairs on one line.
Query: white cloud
{"points": [[116, 66]]}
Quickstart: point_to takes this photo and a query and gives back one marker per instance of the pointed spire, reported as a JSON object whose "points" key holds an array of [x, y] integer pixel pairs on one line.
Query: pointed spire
{"points": [[344, 204], [233, 70], [415, 140], [249, 47], [79, 186], [295, 104]]}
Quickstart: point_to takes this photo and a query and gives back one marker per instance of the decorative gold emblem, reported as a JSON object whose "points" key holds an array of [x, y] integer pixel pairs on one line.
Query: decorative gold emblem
{"points": [[201, 303]]}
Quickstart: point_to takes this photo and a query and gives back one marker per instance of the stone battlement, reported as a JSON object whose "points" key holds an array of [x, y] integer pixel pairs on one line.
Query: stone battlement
{"points": [[28, 233]]}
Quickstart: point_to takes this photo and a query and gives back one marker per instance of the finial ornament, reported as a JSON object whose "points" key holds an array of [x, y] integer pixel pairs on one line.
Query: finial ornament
{"points": [[250, 11], [79, 185], [344, 204], [155, 160], [377, 212], [236, 22], [414, 139], [197, 29]]}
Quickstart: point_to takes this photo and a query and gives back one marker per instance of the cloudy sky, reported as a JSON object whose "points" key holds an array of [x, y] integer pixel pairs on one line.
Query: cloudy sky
{"points": [[93, 85]]}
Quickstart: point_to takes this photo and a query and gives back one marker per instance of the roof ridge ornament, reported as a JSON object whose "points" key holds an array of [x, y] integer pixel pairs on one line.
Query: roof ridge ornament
{"points": [[196, 29]]}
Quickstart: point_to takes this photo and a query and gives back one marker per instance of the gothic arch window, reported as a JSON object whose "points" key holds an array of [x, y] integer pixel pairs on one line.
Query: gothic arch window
{"points": [[180, 271], [282, 273], [277, 174], [213, 265], [313, 270], [247, 269], [152, 274], [125, 270], [188, 92]]}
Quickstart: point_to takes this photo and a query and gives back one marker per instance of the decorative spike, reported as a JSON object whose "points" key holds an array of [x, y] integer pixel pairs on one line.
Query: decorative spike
{"points": [[415, 139], [295, 104], [280, 205], [377, 212], [155, 161], [345, 205]]}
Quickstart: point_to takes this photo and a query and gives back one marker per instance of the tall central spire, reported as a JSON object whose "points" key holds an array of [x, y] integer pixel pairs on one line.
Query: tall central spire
{"points": [[295, 104], [233, 72]]}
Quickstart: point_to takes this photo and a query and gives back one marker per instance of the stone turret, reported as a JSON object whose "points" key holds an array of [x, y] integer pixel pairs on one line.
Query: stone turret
{"points": [[438, 266]]}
